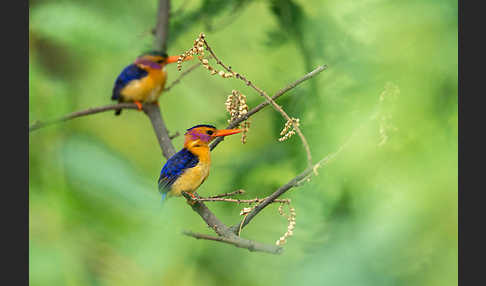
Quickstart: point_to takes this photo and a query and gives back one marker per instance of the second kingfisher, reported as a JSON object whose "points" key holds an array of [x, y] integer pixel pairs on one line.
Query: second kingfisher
{"points": [[144, 80], [187, 169]]}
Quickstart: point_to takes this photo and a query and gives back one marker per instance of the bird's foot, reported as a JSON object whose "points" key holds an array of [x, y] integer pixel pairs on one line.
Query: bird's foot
{"points": [[157, 103], [191, 198], [139, 105]]}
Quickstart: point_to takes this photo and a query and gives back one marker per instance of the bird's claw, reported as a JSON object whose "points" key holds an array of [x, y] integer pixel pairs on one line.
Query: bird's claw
{"points": [[139, 105], [191, 198]]}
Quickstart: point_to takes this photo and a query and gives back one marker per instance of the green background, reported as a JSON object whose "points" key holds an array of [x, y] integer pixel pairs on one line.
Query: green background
{"points": [[384, 212]]}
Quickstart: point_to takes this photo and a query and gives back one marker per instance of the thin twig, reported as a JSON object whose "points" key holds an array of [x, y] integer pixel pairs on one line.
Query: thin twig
{"points": [[238, 201], [183, 74], [238, 242], [296, 181], [268, 98], [39, 124], [237, 192], [211, 220], [224, 232]]}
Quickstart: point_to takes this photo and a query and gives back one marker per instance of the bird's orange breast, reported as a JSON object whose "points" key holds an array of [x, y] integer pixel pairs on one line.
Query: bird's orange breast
{"points": [[193, 177], [146, 89]]}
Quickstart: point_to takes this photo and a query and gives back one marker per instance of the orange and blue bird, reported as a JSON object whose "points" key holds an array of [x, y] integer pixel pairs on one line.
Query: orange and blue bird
{"points": [[143, 80], [187, 169]]}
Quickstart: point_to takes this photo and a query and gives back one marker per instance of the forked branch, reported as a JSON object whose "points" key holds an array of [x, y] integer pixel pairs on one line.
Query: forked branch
{"points": [[225, 234]]}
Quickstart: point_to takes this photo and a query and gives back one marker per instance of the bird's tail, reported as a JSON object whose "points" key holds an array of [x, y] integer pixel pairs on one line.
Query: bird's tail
{"points": [[164, 196]]}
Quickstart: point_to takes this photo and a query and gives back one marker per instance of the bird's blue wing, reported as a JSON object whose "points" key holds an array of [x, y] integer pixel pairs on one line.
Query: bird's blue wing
{"points": [[131, 72], [175, 167]]}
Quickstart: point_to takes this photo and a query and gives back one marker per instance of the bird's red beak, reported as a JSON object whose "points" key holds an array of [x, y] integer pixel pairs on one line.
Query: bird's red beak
{"points": [[173, 59], [225, 132]]}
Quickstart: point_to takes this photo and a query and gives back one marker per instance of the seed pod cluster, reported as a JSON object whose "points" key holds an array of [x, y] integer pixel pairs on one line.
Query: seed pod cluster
{"points": [[289, 129], [198, 49], [290, 228], [237, 108]]}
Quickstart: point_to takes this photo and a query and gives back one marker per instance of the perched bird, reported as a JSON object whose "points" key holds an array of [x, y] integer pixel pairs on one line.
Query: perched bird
{"points": [[144, 80], [188, 168]]}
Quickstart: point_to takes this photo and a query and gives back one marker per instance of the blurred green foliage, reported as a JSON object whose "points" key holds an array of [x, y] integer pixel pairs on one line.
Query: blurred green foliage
{"points": [[383, 213]]}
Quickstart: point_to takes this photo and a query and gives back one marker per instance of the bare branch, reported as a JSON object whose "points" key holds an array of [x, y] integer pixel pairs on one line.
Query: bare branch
{"points": [[162, 27], [128, 105], [183, 74], [296, 181], [153, 112], [237, 192], [211, 220], [238, 201], [238, 242], [40, 124]]}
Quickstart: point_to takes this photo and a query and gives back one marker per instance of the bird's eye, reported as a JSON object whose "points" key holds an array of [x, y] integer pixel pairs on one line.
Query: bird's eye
{"points": [[160, 61], [209, 132]]}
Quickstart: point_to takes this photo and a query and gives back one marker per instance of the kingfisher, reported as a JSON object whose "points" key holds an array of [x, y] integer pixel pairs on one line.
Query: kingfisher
{"points": [[187, 169], [143, 80]]}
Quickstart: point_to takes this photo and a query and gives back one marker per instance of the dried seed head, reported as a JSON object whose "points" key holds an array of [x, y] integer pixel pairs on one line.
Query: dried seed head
{"points": [[196, 49], [289, 129], [290, 227], [237, 108]]}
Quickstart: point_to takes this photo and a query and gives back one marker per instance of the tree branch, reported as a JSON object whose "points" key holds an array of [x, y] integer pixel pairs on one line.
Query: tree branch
{"points": [[237, 192], [240, 201], [39, 124], [162, 27], [128, 105], [183, 74], [225, 233], [238, 242], [296, 181], [153, 113]]}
